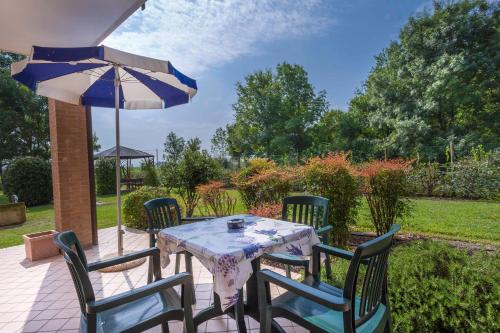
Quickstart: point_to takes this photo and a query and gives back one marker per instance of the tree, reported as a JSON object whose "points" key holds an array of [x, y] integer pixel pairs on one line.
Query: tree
{"points": [[24, 128], [219, 143], [192, 168], [438, 84], [95, 143], [274, 113], [196, 167], [173, 148], [193, 144]]}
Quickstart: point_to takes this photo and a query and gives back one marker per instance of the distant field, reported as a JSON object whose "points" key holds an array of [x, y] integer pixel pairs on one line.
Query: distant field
{"points": [[474, 221]]}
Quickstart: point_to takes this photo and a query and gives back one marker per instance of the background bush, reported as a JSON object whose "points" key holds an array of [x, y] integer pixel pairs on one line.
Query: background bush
{"points": [[105, 176], [471, 179], [150, 174], [216, 199], [261, 182], [424, 178], [30, 178], [134, 214], [270, 210], [334, 178], [434, 287]]}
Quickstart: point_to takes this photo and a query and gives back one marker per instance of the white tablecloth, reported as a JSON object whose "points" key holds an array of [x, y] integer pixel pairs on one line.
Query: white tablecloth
{"points": [[228, 254]]}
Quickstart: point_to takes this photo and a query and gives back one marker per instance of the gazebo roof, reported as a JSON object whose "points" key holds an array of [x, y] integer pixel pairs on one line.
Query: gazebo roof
{"points": [[125, 153]]}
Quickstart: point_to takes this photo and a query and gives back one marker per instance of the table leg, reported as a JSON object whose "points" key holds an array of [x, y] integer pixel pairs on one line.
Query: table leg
{"points": [[252, 305], [238, 312]]}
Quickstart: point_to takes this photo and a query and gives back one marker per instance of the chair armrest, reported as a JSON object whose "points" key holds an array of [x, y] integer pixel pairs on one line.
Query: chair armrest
{"points": [[315, 295], [123, 259], [287, 261], [196, 219], [126, 297], [334, 251], [323, 230]]}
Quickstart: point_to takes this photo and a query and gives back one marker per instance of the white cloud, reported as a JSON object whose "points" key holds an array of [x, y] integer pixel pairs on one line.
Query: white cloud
{"points": [[203, 34]]}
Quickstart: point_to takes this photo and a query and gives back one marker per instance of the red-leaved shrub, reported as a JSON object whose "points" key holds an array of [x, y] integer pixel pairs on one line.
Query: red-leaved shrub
{"points": [[263, 182], [385, 186], [270, 210], [335, 178], [215, 198]]}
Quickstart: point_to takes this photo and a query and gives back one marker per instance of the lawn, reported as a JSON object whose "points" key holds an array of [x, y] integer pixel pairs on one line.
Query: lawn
{"points": [[474, 221]]}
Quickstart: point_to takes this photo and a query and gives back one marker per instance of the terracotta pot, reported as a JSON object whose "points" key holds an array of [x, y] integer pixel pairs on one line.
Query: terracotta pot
{"points": [[40, 245]]}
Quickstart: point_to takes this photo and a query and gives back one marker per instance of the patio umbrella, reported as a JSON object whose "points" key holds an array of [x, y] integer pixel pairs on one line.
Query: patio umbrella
{"points": [[104, 77]]}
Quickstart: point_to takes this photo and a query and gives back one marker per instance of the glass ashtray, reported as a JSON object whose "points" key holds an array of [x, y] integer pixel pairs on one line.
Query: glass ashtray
{"points": [[235, 224]]}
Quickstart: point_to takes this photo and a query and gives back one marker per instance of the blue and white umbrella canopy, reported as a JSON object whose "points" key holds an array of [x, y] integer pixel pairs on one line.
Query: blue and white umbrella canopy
{"points": [[104, 77], [85, 76]]}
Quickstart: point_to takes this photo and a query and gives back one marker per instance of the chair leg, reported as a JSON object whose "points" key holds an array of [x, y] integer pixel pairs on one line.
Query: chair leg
{"points": [[164, 328], [177, 263], [288, 272], [388, 324], [265, 321], [328, 265]]}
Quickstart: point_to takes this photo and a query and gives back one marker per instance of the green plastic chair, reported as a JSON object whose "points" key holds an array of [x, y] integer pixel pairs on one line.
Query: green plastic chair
{"points": [[131, 311], [164, 213], [304, 209], [320, 307]]}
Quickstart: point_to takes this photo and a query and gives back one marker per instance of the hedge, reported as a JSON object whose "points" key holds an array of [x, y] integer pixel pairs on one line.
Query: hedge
{"points": [[134, 214], [30, 178], [105, 176], [434, 287]]}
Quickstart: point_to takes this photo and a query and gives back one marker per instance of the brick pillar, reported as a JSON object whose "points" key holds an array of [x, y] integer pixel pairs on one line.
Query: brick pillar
{"points": [[72, 170]]}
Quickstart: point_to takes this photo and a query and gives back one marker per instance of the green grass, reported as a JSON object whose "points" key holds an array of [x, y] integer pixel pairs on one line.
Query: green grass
{"points": [[474, 221]]}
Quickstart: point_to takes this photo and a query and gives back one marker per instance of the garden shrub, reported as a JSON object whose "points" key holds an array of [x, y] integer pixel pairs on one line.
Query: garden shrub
{"points": [[334, 178], [150, 174], [385, 187], [226, 178], [263, 182], [434, 287], [134, 214], [472, 179], [425, 178], [215, 198], [105, 176], [30, 178], [270, 210]]}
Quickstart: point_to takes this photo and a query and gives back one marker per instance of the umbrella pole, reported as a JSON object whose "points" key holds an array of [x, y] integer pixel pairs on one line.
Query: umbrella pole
{"points": [[117, 163]]}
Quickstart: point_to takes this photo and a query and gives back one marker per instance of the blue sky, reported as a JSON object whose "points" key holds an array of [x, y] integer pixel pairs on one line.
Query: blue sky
{"points": [[219, 42]]}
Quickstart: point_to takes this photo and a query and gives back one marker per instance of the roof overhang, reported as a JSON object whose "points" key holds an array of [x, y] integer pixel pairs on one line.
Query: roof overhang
{"points": [[60, 23]]}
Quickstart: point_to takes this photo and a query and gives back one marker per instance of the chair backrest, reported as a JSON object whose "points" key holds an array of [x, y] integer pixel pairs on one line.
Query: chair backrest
{"points": [[374, 255], [74, 255], [306, 209], [162, 213]]}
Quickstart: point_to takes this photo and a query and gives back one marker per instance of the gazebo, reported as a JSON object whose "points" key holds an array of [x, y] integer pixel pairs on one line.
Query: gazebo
{"points": [[127, 155]]}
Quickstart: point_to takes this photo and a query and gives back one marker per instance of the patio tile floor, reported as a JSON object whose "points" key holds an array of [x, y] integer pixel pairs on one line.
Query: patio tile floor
{"points": [[40, 296]]}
